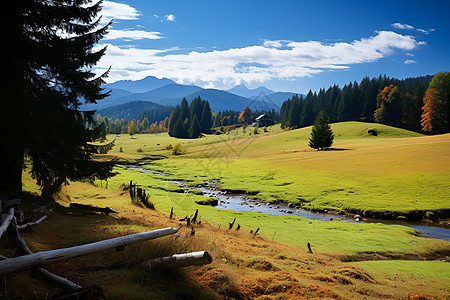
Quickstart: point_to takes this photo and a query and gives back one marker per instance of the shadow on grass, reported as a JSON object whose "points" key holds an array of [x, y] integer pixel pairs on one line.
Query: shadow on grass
{"points": [[118, 273]]}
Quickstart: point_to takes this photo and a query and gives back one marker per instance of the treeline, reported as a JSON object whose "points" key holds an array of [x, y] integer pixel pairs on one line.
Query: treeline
{"points": [[231, 117], [123, 126], [385, 100], [190, 121], [138, 110]]}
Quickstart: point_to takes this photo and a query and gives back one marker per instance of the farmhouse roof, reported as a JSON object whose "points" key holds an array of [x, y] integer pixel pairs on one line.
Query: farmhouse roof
{"points": [[263, 116]]}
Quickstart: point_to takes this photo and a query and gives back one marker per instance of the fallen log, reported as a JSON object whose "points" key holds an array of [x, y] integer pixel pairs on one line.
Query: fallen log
{"points": [[105, 210], [41, 273], [23, 226], [41, 259], [6, 204], [6, 221], [179, 260]]}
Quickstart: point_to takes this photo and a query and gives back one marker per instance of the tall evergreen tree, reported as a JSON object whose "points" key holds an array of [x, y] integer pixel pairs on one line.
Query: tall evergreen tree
{"points": [[321, 135], [206, 118], [174, 116], [196, 108], [48, 59], [195, 129], [184, 109]]}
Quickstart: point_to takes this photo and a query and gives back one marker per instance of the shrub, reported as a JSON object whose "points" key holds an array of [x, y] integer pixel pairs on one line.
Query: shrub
{"points": [[169, 147], [255, 130], [178, 149], [265, 129], [139, 150], [208, 201]]}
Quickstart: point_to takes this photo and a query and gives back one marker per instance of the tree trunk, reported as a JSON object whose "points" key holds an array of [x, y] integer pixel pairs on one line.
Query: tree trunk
{"points": [[180, 260], [11, 165], [41, 259]]}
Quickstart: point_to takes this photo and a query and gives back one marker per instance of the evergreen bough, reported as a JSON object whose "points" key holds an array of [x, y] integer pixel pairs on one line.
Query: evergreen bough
{"points": [[47, 64]]}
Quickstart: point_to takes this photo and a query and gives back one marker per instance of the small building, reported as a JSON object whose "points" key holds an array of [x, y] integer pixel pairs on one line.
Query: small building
{"points": [[263, 120]]}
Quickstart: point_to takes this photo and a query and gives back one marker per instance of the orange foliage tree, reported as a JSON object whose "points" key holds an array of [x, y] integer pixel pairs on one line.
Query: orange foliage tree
{"points": [[246, 115], [436, 108], [429, 110]]}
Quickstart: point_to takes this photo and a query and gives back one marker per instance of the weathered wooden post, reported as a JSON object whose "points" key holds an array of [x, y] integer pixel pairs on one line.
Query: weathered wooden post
{"points": [[230, 225], [194, 219], [309, 247], [180, 260]]}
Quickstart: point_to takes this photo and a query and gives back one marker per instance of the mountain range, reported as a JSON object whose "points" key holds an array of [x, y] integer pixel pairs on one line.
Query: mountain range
{"points": [[166, 92]]}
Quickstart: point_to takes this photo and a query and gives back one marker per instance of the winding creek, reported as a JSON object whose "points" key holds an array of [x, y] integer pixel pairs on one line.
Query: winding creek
{"points": [[241, 203]]}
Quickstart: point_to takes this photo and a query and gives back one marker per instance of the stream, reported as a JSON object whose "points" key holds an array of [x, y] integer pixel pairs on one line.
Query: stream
{"points": [[241, 203]]}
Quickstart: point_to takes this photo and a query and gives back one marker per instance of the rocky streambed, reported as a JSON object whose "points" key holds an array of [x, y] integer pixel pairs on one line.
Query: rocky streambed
{"points": [[238, 201]]}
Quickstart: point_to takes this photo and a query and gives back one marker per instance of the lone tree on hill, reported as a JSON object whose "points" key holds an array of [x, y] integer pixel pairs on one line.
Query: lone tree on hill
{"points": [[321, 135], [47, 61]]}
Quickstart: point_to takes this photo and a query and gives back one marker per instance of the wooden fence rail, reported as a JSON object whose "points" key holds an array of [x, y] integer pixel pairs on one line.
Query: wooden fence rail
{"points": [[41, 259]]}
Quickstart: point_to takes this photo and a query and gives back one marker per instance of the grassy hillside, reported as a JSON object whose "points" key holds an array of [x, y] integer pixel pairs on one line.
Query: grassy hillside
{"points": [[279, 166], [398, 170]]}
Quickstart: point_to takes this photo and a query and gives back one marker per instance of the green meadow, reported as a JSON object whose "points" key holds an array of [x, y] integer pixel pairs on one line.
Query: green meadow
{"points": [[397, 170]]}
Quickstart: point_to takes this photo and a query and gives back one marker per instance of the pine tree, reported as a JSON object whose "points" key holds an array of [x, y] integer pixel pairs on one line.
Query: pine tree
{"points": [[195, 129], [174, 116], [321, 135], [178, 128], [206, 119], [48, 60], [196, 108]]}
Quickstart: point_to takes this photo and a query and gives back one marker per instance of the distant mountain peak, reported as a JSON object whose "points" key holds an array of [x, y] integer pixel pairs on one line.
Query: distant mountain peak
{"points": [[140, 86], [244, 91]]}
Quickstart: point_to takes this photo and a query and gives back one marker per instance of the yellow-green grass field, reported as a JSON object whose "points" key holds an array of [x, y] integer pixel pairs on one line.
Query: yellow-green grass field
{"points": [[397, 170]]}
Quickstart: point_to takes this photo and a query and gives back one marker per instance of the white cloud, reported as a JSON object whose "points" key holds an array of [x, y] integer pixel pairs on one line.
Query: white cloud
{"points": [[170, 18], [409, 61], [402, 26], [272, 44], [425, 31], [132, 35], [252, 64], [119, 11]]}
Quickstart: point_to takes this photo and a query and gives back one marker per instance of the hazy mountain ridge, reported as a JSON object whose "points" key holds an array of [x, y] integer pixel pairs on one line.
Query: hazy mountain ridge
{"points": [[170, 94]]}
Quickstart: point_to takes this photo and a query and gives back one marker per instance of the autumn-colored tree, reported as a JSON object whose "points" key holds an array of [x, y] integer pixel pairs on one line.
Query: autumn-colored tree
{"points": [[436, 109], [431, 116], [131, 128], [388, 106], [246, 115]]}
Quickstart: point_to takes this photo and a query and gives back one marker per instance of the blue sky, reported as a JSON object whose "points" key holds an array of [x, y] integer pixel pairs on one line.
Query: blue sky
{"points": [[283, 45]]}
